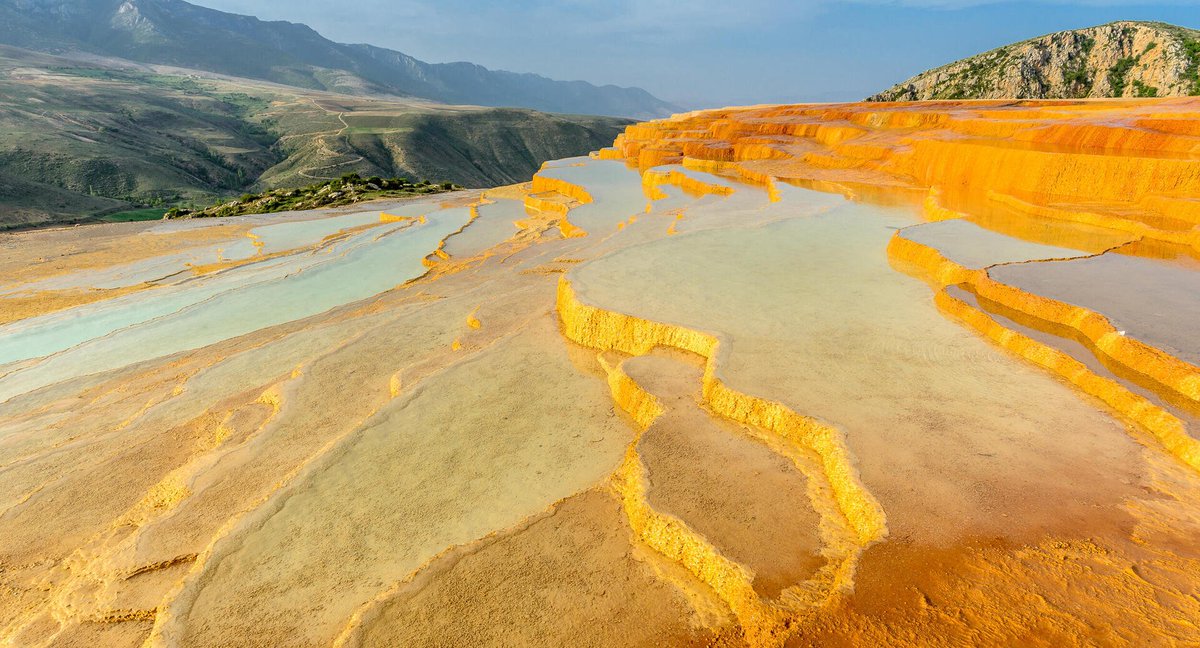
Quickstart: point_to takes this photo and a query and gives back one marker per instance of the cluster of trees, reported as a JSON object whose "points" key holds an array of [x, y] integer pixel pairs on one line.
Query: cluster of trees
{"points": [[380, 184], [350, 188]]}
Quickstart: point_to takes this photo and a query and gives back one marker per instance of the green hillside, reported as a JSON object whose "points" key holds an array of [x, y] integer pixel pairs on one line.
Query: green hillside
{"points": [[81, 138]]}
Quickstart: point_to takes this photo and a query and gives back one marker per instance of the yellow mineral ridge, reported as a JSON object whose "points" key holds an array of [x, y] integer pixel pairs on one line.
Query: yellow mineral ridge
{"points": [[911, 374]]}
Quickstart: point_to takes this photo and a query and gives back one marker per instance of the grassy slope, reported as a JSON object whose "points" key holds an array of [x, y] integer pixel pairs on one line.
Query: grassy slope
{"points": [[82, 139], [469, 146], [107, 139]]}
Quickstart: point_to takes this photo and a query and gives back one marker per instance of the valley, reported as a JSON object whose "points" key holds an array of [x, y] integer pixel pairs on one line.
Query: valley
{"points": [[83, 138]]}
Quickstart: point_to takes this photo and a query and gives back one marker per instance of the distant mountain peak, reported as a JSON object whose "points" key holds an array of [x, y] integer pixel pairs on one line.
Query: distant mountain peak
{"points": [[128, 17], [1119, 59]]}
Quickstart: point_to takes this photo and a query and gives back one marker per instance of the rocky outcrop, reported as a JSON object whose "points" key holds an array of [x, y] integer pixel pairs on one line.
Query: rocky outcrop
{"points": [[1120, 59]]}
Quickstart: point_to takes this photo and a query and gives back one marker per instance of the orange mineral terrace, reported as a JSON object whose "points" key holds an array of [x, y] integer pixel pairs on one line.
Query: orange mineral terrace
{"points": [[910, 374]]}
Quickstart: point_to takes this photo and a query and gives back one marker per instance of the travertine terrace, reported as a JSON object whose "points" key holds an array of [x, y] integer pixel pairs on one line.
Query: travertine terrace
{"points": [[872, 374]]}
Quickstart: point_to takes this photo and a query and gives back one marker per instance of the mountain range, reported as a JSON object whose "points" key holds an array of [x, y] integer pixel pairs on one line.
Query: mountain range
{"points": [[177, 33]]}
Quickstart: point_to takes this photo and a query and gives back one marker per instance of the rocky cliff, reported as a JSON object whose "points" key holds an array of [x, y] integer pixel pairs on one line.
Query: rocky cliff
{"points": [[1120, 59]]}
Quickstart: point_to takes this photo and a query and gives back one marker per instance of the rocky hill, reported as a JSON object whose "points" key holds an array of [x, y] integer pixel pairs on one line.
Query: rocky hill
{"points": [[177, 33], [1120, 59]]}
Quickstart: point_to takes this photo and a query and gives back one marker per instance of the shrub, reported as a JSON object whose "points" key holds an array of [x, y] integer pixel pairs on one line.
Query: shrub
{"points": [[1191, 49], [1142, 90], [1117, 74], [1077, 77]]}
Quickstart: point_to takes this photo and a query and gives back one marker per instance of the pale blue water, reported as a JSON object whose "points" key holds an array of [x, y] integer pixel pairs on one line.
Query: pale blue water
{"points": [[211, 309], [615, 188], [974, 247], [494, 225], [275, 237]]}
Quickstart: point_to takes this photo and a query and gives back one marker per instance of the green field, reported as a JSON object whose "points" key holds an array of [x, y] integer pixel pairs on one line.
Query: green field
{"points": [[151, 213]]}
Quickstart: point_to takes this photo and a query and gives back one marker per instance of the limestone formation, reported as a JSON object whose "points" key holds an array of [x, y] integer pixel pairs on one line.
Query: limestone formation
{"points": [[915, 374], [1120, 59]]}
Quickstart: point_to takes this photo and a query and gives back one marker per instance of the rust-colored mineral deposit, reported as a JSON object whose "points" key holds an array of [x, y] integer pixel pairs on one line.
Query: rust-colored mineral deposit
{"points": [[921, 374]]}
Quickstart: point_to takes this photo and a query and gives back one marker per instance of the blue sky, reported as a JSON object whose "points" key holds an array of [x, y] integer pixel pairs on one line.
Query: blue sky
{"points": [[708, 52]]}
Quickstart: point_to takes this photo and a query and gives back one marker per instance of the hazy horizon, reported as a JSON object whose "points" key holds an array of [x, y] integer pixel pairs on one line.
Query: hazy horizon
{"points": [[715, 53]]}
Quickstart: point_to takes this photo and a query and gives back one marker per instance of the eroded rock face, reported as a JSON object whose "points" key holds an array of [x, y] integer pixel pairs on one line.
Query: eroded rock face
{"points": [[868, 374], [1121, 59]]}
